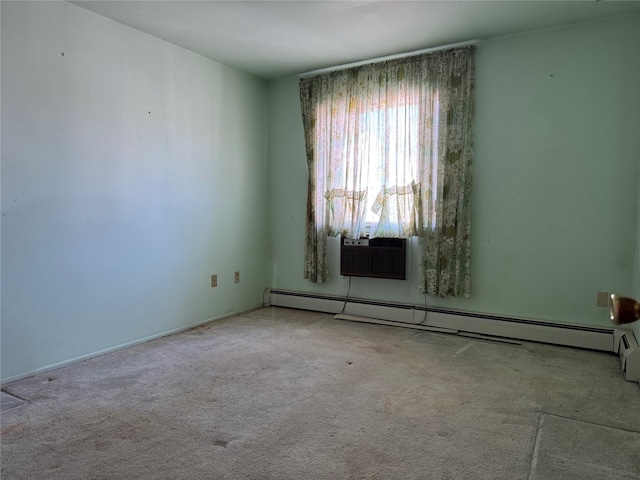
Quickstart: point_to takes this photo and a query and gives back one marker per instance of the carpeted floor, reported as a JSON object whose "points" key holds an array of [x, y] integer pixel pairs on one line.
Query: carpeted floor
{"points": [[286, 394]]}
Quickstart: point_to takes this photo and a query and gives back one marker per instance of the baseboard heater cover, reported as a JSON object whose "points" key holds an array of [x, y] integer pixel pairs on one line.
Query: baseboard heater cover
{"points": [[593, 338], [625, 344]]}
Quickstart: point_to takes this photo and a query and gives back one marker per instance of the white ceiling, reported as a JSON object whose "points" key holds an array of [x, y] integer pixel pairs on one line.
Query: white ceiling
{"points": [[272, 39]]}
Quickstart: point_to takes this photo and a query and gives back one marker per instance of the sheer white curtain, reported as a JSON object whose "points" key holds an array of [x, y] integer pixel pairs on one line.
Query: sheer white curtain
{"points": [[382, 141]]}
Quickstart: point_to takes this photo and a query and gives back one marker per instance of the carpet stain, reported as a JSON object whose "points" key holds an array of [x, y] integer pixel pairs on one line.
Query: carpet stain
{"points": [[381, 349], [126, 431], [12, 429], [367, 462], [101, 444], [220, 443]]}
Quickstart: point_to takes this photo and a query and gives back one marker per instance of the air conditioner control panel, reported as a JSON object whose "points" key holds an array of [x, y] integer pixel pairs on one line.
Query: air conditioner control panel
{"points": [[356, 242]]}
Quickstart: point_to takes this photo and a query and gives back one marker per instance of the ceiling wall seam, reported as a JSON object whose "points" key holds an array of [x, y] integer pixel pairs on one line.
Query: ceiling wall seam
{"points": [[387, 57]]}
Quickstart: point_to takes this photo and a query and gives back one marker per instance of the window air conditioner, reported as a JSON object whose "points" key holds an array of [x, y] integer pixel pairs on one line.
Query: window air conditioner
{"points": [[376, 257]]}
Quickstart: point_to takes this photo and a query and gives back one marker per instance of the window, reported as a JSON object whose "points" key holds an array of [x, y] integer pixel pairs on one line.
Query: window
{"points": [[397, 158], [389, 147]]}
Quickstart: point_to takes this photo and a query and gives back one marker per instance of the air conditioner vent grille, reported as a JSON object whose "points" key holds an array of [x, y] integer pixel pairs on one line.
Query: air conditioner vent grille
{"points": [[377, 257]]}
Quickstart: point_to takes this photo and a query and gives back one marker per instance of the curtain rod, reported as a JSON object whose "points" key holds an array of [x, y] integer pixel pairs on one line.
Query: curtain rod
{"points": [[388, 57]]}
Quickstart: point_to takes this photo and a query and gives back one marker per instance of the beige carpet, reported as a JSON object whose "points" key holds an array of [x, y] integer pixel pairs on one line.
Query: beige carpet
{"points": [[285, 394]]}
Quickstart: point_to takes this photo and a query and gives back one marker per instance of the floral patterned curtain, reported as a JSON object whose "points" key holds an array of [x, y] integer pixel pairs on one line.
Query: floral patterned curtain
{"points": [[389, 145]]}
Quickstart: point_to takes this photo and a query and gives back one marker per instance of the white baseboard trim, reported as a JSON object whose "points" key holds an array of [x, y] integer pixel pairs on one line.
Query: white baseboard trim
{"points": [[99, 353], [593, 338]]}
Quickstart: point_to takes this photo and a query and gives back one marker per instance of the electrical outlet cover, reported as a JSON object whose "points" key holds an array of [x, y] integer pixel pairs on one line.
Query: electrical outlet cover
{"points": [[602, 299]]}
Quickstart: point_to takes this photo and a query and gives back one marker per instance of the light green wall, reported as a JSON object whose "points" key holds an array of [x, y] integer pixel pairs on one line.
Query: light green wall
{"points": [[636, 325], [556, 173], [637, 264], [132, 170]]}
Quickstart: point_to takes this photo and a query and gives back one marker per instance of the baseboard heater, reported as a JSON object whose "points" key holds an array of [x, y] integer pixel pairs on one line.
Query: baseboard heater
{"points": [[626, 346], [594, 338]]}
